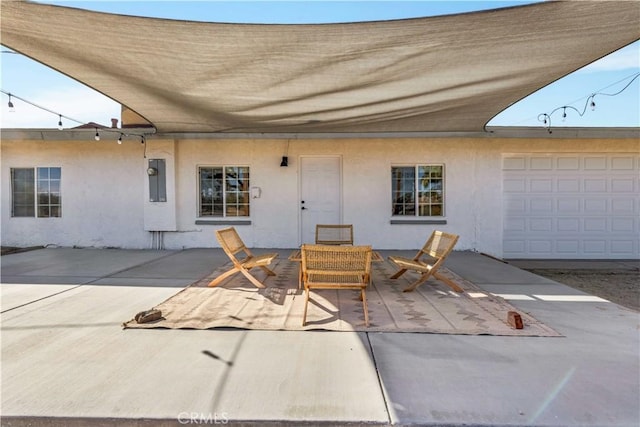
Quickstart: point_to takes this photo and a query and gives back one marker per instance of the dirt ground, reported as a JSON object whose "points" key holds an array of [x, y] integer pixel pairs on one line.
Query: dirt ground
{"points": [[618, 286]]}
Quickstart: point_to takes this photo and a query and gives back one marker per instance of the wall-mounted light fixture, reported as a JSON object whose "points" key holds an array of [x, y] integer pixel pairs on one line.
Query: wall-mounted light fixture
{"points": [[285, 159], [152, 171]]}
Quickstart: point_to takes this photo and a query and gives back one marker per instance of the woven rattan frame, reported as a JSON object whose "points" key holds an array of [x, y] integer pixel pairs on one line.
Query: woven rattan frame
{"points": [[334, 234], [336, 267], [232, 244], [428, 260]]}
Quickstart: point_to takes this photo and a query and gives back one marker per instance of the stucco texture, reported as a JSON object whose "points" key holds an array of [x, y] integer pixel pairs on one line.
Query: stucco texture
{"points": [[105, 201]]}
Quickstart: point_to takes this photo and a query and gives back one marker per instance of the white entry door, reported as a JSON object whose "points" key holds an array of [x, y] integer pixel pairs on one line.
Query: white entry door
{"points": [[320, 194]]}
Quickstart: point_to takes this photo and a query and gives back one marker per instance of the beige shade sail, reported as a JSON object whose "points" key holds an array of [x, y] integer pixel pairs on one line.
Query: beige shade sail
{"points": [[438, 74]]}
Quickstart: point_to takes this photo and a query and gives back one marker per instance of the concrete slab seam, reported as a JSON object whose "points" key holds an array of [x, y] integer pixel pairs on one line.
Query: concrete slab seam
{"points": [[375, 366]]}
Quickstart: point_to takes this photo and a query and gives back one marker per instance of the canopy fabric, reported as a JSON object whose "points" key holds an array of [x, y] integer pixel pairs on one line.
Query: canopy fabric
{"points": [[438, 74]]}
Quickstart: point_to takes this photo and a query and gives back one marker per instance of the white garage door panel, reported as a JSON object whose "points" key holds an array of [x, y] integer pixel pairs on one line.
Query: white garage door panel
{"points": [[572, 206]]}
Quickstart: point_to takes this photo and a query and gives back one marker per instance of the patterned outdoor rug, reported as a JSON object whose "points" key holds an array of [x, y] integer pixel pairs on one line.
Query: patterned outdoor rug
{"points": [[431, 308]]}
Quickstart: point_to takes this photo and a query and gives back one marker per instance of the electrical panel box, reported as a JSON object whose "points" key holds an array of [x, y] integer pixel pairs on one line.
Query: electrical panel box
{"points": [[157, 172]]}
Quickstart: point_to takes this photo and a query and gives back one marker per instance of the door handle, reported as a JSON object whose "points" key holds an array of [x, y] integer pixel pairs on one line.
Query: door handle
{"points": [[303, 208]]}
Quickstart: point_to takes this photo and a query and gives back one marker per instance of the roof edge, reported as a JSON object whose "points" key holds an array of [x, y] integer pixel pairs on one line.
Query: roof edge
{"points": [[491, 132]]}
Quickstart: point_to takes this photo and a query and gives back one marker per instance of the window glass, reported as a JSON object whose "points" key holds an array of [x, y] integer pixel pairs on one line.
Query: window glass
{"points": [[43, 211], [211, 202], [237, 191], [417, 190], [430, 190], [55, 173], [224, 191], [49, 201], [43, 173], [403, 196], [36, 191], [22, 192]]}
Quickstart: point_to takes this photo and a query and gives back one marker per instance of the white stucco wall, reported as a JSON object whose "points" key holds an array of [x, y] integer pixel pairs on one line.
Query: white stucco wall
{"points": [[101, 189], [106, 202], [366, 182], [473, 186]]}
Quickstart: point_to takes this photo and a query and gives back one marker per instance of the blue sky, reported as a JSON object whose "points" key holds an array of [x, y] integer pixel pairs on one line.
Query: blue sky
{"points": [[47, 88]]}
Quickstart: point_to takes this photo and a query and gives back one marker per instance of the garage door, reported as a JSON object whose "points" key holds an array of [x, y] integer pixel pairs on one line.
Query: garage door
{"points": [[571, 206]]}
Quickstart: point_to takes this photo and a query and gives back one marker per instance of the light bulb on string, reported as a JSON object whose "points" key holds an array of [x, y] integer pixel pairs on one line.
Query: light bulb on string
{"points": [[590, 102], [61, 127], [544, 118]]}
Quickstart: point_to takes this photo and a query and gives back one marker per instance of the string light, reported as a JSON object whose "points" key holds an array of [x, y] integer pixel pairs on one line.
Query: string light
{"points": [[545, 118], [62, 116], [10, 105]]}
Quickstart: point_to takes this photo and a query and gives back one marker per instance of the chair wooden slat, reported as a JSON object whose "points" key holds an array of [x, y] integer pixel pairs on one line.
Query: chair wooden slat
{"points": [[428, 260], [232, 244]]}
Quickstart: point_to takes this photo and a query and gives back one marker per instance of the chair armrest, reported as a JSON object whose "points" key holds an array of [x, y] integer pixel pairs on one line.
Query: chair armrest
{"points": [[255, 261], [410, 264]]}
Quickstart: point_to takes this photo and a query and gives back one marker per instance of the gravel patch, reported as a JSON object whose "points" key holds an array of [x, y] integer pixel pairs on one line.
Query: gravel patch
{"points": [[618, 286]]}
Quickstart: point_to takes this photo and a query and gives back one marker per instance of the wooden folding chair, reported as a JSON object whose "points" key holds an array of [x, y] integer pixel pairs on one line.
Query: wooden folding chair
{"points": [[428, 260], [334, 234], [336, 267], [232, 244]]}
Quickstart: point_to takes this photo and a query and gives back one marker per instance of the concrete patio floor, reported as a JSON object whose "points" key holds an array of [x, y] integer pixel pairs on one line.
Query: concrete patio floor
{"points": [[67, 361]]}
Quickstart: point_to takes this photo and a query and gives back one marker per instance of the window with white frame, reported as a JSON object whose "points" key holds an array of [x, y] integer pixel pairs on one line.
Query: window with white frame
{"points": [[36, 192], [224, 191], [417, 190]]}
